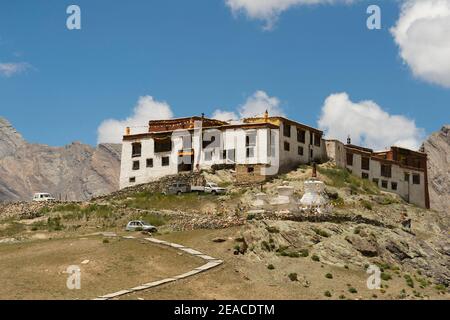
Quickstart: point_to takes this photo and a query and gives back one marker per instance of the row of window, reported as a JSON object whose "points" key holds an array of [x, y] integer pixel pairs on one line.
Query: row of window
{"points": [[300, 149], [149, 163], [161, 145], [385, 169], [301, 135], [384, 183]]}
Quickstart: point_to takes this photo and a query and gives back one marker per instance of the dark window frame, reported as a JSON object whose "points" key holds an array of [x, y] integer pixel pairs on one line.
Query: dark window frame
{"points": [[136, 149], [287, 146], [317, 139], [349, 159], [286, 130], [164, 163], [386, 170], [136, 165], [365, 163], [301, 135]]}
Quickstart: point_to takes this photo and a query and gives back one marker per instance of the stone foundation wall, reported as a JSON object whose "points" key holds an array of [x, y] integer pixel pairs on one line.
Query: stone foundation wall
{"points": [[250, 174]]}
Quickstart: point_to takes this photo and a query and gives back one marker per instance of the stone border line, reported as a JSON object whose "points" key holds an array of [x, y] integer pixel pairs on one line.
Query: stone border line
{"points": [[211, 263]]}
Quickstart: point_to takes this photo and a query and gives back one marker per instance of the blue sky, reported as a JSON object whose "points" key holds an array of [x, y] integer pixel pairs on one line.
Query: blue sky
{"points": [[197, 56]]}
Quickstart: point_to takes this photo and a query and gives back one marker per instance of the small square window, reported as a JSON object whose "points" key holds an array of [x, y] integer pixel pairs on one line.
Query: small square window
{"points": [[250, 169], [384, 184], [317, 139], [136, 149], [135, 165], [132, 179], [301, 135], [365, 163], [365, 175], [287, 147], [300, 151], [150, 163], [165, 161], [416, 178], [386, 170], [349, 159], [394, 185], [374, 180], [406, 176], [286, 130]]}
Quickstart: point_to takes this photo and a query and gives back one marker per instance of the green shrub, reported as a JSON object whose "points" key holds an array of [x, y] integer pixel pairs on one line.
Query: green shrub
{"points": [[105, 241], [304, 253], [366, 204], [321, 232], [271, 267], [272, 229], [315, 258], [293, 276], [352, 290], [441, 288], [327, 294], [385, 276], [329, 276], [342, 297], [409, 280]]}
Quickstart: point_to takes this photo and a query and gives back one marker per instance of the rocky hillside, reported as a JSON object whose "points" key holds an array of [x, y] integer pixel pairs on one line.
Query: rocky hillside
{"points": [[437, 147], [72, 172]]}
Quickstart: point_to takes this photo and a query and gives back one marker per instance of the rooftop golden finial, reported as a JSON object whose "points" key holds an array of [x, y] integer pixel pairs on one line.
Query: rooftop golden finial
{"points": [[266, 116], [127, 131]]}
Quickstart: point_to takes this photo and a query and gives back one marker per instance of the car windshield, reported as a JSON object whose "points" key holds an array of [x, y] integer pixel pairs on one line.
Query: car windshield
{"points": [[145, 223], [214, 185]]}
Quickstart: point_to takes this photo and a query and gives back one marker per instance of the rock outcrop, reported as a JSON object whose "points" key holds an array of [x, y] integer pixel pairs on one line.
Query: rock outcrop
{"points": [[437, 147], [73, 172]]}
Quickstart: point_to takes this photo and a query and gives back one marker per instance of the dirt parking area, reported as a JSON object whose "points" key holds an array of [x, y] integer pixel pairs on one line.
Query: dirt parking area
{"points": [[36, 270]]}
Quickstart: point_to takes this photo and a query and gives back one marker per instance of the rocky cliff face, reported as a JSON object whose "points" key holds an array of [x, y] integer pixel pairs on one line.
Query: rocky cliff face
{"points": [[437, 147], [72, 172]]}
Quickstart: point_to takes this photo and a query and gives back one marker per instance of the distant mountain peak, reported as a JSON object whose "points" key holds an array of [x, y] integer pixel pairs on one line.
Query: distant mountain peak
{"points": [[74, 172], [10, 139], [437, 148]]}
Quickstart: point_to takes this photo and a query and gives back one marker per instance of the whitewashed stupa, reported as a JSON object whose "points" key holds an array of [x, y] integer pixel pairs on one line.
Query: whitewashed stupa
{"points": [[314, 198]]}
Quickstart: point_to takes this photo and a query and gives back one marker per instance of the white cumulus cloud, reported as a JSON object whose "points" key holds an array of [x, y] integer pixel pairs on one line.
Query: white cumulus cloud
{"points": [[10, 69], [269, 10], [147, 108], [224, 115], [423, 35], [367, 124], [255, 105]]}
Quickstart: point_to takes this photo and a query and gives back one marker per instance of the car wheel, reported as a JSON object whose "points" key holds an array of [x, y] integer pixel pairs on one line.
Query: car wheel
{"points": [[178, 193], [214, 193]]}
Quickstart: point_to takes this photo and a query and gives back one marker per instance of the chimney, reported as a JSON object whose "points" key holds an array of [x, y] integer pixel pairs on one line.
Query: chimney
{"points": [[127, 131], [349, 140], [266, 116]]}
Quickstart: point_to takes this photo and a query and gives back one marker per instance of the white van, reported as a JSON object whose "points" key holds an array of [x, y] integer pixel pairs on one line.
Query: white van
{"points": [[40, 197]]}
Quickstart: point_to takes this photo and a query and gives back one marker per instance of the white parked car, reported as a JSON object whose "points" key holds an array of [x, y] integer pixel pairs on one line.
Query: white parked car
{"points": [[42, 197], [210, 187], [141, 226]]}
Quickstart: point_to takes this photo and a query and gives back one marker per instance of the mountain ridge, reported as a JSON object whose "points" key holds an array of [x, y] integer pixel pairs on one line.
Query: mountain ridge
{"points": [[74, 172]]}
